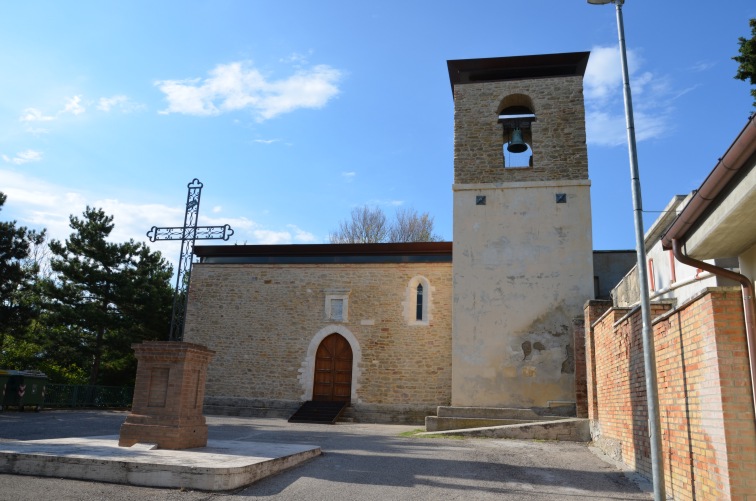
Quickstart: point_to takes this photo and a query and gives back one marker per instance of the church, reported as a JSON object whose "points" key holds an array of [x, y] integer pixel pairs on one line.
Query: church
{"points": [[396, 330]]}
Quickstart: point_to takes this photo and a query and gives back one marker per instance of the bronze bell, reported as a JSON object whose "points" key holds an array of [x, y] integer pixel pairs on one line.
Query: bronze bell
{"points": [[516, 144]]}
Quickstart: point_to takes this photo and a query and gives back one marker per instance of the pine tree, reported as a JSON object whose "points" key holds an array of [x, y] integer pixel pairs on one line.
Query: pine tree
{"points": [[17, 277], [747, 59], [104, 296]]}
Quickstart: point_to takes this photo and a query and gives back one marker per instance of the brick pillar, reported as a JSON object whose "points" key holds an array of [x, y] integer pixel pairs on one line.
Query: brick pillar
{"points": [[581, 388], [168, 396], [593, 310]]}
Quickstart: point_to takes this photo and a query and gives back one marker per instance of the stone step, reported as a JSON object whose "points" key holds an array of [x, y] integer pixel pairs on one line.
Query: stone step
{"points": [[318, 412], [250, 407], [435, 423]]}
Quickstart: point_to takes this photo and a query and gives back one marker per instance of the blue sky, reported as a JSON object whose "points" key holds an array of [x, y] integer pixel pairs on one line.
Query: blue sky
{"points": [[292, 112]]}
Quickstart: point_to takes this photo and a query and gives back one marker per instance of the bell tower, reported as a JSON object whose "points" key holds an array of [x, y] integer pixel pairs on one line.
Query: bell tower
{"points": [[523, 258]]}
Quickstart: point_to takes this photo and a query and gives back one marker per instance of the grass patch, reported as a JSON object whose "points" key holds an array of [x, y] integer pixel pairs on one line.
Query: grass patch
{"points": [[416, 434], [411, 433]]}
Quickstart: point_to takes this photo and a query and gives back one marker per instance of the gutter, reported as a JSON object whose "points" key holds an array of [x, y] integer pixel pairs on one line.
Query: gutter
{"points": [[727, 167]]}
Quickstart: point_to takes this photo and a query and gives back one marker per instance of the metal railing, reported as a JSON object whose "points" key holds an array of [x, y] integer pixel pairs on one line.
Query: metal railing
{"points": [[81, 395]]}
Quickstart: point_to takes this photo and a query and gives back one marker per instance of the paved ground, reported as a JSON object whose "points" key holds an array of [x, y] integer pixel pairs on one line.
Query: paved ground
{"points": [[360, 462]]}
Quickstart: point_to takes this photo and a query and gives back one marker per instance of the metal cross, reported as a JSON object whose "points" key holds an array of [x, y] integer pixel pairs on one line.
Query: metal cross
{"points": [[187, 234]]}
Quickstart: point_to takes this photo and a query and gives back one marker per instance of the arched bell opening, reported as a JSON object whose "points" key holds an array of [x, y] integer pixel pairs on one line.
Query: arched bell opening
{"points": [[517, 140]]}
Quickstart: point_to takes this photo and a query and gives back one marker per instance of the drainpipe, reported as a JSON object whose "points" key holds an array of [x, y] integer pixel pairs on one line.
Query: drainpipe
{"points": [[748, 304]]}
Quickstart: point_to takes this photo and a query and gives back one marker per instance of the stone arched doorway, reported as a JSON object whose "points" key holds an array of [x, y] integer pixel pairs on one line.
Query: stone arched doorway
{"points": [[332, 380]]}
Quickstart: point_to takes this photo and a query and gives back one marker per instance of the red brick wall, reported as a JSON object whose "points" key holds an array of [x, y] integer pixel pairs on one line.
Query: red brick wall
{"points": [[593, 310], [581, 389], [707, 420]]}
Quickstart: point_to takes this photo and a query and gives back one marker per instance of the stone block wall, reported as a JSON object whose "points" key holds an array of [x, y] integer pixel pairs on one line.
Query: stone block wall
{"points": [[558, 144], [707, 418], [263, 321]]}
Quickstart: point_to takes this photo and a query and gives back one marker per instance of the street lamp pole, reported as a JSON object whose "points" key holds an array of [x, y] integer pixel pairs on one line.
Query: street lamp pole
{"points": [[649, 354]]}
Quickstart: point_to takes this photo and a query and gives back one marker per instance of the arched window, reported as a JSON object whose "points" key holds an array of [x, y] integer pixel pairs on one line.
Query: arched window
{"points": [[419, 305], [516, 117], [417, 301]]}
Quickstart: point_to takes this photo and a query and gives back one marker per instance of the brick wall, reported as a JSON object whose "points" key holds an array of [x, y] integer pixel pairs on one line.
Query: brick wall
{"points": [[558, 134], [707, 419], [581, 372], [262, 319], [167, 406]]}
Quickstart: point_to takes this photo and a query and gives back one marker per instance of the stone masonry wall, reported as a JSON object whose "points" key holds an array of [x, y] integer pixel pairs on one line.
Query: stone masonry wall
{"points": [[707, 418], [262, 319], [559, 150]]}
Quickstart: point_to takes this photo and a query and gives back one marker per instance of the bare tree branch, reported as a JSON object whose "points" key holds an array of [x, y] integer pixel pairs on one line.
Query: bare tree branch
{"points": [[409, 226], [368, 225]]}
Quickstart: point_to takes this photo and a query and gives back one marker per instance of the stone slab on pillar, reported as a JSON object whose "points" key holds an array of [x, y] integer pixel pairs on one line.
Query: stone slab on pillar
{"points": [[168, 396]]}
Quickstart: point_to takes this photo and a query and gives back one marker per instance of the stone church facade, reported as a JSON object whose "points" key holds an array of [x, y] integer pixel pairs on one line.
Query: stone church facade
{"points": [[265, 310], [415, 325]]}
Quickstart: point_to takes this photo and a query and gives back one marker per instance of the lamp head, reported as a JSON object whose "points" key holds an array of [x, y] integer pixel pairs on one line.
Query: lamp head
{"points": [[600, 2]]}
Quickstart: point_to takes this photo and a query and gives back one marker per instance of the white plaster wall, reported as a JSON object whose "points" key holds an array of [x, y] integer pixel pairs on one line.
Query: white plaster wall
{"points": [[662, 273], [522, 270], [747, 262]]}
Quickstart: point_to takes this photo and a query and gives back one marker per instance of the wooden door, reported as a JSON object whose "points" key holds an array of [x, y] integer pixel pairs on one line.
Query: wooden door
{"points": [[333, 370]]}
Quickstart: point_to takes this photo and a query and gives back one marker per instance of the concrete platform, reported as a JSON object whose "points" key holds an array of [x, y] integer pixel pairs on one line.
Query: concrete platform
{"points": [[222, 465]]}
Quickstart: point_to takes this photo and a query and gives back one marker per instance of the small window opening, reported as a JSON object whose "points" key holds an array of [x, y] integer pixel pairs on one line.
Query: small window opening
{"points": [[419, 307], [337, 305], [337, 309], [651, 278]]}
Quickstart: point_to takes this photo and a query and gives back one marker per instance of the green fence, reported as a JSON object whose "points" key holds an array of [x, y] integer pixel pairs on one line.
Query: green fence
{"points": [[80, 395]]}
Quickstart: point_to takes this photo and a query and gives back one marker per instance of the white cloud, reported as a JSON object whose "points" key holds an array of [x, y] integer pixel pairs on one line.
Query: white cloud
{"points": [[253, 233], [605, 129], [301, 235], [604, 99], [603, 75], [703, 66], [297, 58], [269, 237], [108, 103], [73, 106], [120, 103], [266, 141], [349, 176], [217, 209], [34, 115], [38, 204], [239, 86], [24, 157]]}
